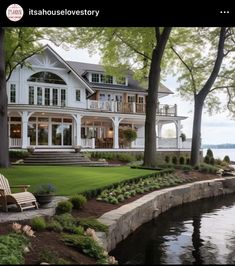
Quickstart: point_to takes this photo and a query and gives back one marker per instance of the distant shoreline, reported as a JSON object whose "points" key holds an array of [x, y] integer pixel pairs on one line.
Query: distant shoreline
{"points": [[220, 146]]}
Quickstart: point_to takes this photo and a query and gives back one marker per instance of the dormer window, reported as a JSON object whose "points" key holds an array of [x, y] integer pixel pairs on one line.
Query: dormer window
{"points": [[121, 80], [107, 79], [95, 77]]}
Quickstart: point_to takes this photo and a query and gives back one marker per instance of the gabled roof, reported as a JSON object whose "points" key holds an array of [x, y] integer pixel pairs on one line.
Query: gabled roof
{"points": [[133, 85], [47, 47]]}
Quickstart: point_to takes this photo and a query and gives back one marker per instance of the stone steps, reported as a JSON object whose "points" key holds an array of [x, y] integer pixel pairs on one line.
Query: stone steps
{"points": [[60, 158]]}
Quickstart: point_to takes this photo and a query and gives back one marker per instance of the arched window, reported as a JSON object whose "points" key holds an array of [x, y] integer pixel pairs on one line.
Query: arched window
{"points": [[46, 77]]}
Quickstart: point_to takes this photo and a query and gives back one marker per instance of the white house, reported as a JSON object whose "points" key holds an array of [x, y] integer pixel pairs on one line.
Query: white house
{"points": [[61, 104]]}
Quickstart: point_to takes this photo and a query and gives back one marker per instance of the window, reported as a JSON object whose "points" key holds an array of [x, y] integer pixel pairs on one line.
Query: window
{"points": [[31, 95], [63, 97], [95, 77], [121, 80], [55, 96], [102, 78], [131, 99], [13, 93], [39, 96], [47, 96], [78, 95], [141, 99], [46, 77], [109, 79]]}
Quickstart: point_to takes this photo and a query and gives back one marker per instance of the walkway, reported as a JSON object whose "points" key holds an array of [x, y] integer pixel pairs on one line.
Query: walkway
{"points": [[46, 210]]}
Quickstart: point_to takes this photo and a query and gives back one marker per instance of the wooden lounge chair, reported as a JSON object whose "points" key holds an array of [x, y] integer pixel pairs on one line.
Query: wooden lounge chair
{"points": [[24, 200]]}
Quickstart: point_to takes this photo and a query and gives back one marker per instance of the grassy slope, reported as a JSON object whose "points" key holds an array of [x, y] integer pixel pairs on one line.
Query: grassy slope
{"points": [[69, 180]]}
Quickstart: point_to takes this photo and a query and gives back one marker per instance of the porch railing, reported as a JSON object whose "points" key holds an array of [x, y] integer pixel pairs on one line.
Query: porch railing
{"points": [[130, 108], [88, 143], [164, 143], [15, 142]]}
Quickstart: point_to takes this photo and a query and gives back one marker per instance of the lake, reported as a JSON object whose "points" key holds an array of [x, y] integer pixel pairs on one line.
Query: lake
{"points": [[202, 232], [220, 153]]}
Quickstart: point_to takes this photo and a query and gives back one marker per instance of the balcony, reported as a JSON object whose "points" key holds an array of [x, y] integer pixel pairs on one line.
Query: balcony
{"points": [[129, 108]]}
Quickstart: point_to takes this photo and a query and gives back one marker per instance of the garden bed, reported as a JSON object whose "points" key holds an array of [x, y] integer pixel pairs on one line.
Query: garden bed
{"points": [[52, 241]]}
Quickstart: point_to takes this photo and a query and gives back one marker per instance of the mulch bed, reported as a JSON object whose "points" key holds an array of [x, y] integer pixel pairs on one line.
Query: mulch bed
{"points": [[52, 241]]}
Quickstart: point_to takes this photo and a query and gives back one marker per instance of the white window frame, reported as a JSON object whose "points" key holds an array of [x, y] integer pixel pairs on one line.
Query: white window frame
{"points": [[76, 95], [12, 92]]}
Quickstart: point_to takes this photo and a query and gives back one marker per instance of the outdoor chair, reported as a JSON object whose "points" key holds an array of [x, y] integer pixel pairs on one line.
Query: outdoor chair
{"points": [[23, 200]]}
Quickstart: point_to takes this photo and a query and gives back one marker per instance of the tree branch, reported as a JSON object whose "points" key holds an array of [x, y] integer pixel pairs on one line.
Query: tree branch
{"points": [[222, 87], [132, 47], [21, 62], [189, 69]]}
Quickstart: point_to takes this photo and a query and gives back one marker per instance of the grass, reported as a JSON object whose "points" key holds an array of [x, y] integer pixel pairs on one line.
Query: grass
{"points": [[69, 180]]}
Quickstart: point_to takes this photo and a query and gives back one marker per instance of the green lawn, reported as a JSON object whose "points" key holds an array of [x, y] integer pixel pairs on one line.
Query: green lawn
{"points": [[69, 180]]}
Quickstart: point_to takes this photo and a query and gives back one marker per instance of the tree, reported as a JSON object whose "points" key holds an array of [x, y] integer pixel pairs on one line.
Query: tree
{"points": [[16, 45], [139, 49], [4, 155], [202, 72]]}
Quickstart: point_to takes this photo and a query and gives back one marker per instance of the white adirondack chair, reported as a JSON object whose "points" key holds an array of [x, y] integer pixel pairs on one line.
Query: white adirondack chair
{"points": [[24, 200]]}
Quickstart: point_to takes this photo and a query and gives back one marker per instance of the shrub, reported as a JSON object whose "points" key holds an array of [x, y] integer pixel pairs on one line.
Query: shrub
{"points": [[212, 161], [188, 161], [120, 198], [79, 230], [18, 154], [49, 256], [125, 157], [187, 168], [218, 161], [167, 159], [12, 248], [63, 207], [182, 160], [174, 160], [207, 159], [209, 153], [207, 168], [54, 226], [78, 201], [67, 221], [226, 159], [88, 245], [93, 224], [38, 223]]}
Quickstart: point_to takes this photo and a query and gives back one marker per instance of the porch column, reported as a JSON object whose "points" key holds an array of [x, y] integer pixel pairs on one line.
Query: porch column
{"points": [[78, 119], [116, 121], [178, 140], [24, 133]]}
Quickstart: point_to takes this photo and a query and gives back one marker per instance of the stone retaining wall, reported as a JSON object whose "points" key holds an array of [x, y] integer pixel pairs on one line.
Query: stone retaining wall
{"points": [[126, 219]]}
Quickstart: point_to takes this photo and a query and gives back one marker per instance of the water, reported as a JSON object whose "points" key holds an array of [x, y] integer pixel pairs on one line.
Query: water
{"points": [[220, 153], [202, 232]]}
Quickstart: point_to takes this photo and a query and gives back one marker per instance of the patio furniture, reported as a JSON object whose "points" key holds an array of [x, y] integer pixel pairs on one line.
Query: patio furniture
{"points": [[23, 200]]}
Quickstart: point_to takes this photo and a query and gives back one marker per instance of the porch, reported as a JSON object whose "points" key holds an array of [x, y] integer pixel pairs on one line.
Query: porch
{"points": [[88, 130]]}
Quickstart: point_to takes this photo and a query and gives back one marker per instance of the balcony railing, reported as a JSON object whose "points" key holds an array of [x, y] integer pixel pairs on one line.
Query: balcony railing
{"points": [[130, 108], [164, 143]]}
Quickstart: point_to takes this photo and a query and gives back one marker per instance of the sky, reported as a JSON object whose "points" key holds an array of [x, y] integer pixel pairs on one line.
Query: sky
{"points": [[216, 129]]}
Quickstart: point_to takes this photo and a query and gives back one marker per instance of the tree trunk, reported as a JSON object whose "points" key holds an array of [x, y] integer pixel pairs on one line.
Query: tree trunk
{"points": [[196, 138], [4, 153], [201, 96], [152, 99]]}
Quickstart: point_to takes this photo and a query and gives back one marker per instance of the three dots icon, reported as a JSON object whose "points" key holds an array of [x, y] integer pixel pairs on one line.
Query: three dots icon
{"points": [[224, 12]]}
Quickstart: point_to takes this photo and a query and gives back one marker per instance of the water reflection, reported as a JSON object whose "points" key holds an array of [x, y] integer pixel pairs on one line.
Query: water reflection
{"points": [[202, 232]]}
